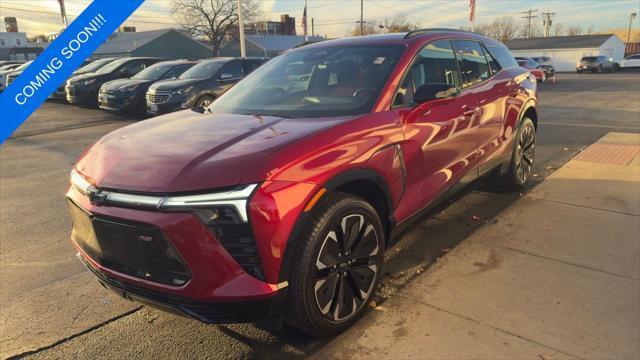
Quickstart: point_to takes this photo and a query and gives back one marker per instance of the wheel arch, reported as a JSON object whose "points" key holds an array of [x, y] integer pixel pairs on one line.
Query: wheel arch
{"points": [[365, 183]]}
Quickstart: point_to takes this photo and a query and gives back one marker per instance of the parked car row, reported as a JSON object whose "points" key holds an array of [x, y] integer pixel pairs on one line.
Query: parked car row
{"points": [[146, 85], [541, 71]]}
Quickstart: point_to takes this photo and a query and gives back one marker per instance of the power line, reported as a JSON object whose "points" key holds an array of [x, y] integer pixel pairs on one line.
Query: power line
{"points": [[529, 15], [547, 22]]}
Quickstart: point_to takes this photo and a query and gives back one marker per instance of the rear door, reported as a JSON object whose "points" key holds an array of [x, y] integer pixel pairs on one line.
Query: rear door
{"points": [[480, 80], [231, 73], [441, 129]]}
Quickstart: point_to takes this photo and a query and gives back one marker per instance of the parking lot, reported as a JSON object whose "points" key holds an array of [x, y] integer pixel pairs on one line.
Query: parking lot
{"points": [[54, 308]]}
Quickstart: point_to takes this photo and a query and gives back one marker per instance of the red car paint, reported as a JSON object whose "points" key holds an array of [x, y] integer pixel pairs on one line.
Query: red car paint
{"points": [[538, 73], [417, 154]]}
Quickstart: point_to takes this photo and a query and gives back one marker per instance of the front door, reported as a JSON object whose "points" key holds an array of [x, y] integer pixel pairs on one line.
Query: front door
{"points": [[441, 131]]}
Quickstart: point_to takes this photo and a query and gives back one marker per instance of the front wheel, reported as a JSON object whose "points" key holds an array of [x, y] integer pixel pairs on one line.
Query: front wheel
{"points": [[204, 101], [337, 265], [522, 157]]}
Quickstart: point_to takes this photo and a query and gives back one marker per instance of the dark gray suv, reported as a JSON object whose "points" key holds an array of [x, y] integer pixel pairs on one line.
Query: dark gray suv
{"points": [[596, 64]]}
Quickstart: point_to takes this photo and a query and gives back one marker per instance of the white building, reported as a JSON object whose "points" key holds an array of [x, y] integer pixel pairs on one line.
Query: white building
{"points": [[566, 51], [16, 46]]}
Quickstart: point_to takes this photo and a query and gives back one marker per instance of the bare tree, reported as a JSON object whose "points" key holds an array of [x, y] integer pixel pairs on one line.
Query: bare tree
{"points": [[574, 30], [557, 29], [503, 29], [591, 30], [367, 29], [213, 19], [399, 24]]}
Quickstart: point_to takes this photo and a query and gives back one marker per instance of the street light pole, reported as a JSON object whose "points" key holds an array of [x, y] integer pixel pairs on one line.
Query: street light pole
{"points": [[361, 15], [630, 22], [241, 29]]}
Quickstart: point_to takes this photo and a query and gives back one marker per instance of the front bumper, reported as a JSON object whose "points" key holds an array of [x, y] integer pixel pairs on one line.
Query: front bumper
{"points": [[81, 95], [207, 312], [117, 102], [214, 274]]}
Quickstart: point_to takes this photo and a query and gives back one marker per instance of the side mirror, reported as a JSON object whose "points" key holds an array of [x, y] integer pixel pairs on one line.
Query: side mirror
{"points": [[433, 91], [224, 77]]}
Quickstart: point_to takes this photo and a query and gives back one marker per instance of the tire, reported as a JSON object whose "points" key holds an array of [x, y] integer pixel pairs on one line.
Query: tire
{"points": [[204, 101], [579, 71], [522, 157], [598, 69], [326, 268]]}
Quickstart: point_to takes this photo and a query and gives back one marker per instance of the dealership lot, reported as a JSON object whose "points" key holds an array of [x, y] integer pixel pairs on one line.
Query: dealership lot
{"points": [[55, 309]]}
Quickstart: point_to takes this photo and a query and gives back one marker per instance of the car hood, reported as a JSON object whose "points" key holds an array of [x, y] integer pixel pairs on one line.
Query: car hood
{"points": [[117, 84], [87, 76], [173, 84], [188, 151]]}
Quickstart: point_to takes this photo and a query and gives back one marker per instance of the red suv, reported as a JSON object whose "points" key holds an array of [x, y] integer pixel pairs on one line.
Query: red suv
{"points": [[279, 199]]}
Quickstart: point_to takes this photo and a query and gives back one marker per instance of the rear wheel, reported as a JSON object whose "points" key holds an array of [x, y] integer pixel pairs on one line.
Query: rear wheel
{"points": [[337, 265], [522, 157]]}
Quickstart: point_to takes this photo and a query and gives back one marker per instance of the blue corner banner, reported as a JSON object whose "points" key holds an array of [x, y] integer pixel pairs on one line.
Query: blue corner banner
{"points": [[59, 60]]}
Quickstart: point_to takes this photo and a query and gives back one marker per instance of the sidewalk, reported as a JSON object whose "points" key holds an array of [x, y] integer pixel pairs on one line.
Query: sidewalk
{"points": [[557, 276]]}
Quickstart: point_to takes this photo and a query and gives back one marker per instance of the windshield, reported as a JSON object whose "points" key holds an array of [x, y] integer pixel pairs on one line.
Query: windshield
{"points": [[154, 72], [93, 66], [590, 58], [522, 63], [314, 82], [203, 70], [112, 66]]}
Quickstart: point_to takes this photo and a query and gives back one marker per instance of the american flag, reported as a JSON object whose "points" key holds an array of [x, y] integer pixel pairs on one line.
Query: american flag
{"points": [[304, 20], [472, 10]]}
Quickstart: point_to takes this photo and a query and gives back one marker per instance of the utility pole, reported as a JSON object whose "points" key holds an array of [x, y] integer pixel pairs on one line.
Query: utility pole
{"points": [[361, 17], [547, 22], [312, 28], [630, 22], [529, 15], [63, 12], [243, 52]]}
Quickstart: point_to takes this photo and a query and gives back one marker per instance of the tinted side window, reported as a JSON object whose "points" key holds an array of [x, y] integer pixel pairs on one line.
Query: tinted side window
{"points": [[134, 67], [473, 64], [252, 65], [176, 71], [502, 55], [435, 63], [493, 64], [233, 68]]}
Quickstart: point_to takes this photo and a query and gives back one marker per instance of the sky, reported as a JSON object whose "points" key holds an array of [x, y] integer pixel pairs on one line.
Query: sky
{"points": [[335, 18]]}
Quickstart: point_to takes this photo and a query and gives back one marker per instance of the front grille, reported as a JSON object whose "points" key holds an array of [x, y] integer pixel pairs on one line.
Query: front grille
{"points": [[130, 248], [208, 312], [157, 98], [238, 240]]}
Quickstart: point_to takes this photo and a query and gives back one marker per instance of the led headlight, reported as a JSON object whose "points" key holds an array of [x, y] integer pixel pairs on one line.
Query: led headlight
{"points": [[88, 82], [182, 91], [129, 88], [212, 207]]}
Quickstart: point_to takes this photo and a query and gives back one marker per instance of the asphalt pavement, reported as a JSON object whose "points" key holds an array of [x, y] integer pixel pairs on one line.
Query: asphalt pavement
{"points": [[52, 308]]}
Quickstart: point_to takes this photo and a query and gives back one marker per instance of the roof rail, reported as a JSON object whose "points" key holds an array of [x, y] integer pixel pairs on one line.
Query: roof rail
{"points": [[417, 32]]}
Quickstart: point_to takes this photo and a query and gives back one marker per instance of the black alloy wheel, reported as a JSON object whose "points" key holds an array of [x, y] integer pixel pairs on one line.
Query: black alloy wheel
{"points": [[346, 268], [337, 264], [522, 159], [525, 150]]}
